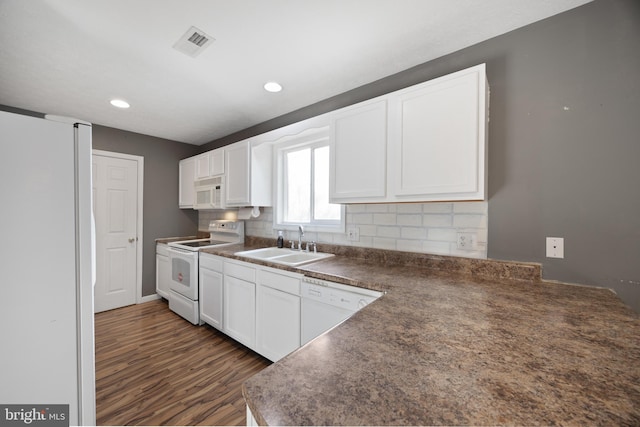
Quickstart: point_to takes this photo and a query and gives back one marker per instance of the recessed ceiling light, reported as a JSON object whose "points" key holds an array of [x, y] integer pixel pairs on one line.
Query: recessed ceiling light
{"points": [[272, 87], [119, 103]]}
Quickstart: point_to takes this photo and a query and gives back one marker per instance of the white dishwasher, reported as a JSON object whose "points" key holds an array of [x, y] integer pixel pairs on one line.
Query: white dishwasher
{"points": [[326, 304]]}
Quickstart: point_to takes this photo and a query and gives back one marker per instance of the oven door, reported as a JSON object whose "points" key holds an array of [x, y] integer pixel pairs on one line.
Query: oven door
{"points": [[184, 272]]}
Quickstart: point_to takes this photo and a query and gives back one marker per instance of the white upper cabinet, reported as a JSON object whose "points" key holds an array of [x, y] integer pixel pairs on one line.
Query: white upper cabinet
{"points": [[216, 162], [203, 168], [210, 164], [427, 142], [438, 130], [359, 153], [423, 143], [186, 177], [238, 169], [248, 172]]}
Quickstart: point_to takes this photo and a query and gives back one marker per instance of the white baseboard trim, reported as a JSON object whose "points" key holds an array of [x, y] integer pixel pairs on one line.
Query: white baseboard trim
{"points": [[148, 298]]}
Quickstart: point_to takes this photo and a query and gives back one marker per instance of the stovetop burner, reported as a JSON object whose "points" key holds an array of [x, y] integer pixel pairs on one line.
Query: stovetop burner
{"points": [[202, 243], [221, 232]]}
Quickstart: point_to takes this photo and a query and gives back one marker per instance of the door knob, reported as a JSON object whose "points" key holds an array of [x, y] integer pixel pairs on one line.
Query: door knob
{"points": [[131, 240]]}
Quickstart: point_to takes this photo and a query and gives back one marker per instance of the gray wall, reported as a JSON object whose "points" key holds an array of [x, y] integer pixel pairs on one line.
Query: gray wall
{"points": [[564, 140], [161, 216], [570, 172]]}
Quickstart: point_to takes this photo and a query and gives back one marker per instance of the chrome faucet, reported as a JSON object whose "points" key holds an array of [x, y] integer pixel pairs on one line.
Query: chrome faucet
{"points": [[300, 234]]}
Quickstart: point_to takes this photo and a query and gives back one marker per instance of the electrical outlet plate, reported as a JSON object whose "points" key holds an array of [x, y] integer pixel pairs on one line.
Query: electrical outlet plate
{"points": [[466, 241], [555, 247], [353, 234]]}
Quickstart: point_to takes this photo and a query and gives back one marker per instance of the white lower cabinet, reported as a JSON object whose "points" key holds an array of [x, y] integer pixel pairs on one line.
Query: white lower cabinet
{"points": [[255, 305], [277, 314], [240, 302], [163, 270], [211, 290]]}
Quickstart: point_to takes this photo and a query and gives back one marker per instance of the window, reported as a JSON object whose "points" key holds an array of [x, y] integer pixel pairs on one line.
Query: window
{"points": [[303, 184]]}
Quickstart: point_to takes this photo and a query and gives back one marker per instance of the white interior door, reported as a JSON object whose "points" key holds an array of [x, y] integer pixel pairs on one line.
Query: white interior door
{"points": [[115, 198]]}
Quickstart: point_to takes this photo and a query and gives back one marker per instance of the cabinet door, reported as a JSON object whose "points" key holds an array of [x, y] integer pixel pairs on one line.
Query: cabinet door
{"points": [[163, 275], [203, 166], [211, 293], [217, 162], [240, 310], [437, 138], [261, 188], [237, 172], [359, 153], [186, 177], [278, 323]]}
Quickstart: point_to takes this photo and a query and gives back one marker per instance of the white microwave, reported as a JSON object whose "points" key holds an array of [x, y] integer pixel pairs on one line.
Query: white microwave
{"points": [[209, 193]]}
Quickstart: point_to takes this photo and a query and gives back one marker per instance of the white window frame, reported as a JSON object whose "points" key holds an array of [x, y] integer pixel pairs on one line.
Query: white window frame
{"points": [[313, 138]]}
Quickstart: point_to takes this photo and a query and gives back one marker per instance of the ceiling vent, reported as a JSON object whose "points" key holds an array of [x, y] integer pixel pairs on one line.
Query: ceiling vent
{"points": [[193, 42]]}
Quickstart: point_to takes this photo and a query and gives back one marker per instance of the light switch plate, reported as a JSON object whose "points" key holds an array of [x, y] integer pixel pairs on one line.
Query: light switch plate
{"points": [[555, 247]]}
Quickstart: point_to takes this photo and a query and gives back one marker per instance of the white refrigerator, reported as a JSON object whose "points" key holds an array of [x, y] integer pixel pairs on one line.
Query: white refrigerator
{"points": [[46, 265]]}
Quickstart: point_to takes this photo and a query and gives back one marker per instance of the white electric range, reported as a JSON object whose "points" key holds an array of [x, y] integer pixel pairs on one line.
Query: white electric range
{"points": [[184, 257]]}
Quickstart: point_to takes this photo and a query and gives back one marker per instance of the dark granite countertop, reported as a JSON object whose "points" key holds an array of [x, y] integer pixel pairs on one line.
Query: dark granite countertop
{"points": [[456, 341]]}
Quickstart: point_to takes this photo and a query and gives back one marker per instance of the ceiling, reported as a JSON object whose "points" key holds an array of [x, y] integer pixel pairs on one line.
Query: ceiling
{"points": [[71, 57]]}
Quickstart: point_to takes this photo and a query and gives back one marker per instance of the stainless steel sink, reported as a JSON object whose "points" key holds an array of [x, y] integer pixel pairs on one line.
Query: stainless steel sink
{"points": [[284, 256]]}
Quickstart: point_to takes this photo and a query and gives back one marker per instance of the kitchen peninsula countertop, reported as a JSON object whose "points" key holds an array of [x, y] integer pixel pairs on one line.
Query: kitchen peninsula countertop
{"points": [[456, 341]]}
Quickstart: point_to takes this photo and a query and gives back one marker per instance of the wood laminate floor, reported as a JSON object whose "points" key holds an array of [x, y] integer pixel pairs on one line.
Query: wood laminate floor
{"points": [[155, 368]]}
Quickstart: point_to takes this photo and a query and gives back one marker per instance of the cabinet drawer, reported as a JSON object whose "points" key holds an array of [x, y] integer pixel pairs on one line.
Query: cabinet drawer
{"points": [[211, 262], [240, 271], [279, 281]]}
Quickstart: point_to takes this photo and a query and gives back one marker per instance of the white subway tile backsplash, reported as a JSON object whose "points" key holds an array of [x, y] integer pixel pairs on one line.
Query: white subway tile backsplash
{"points": [[385, 231], [409, 219], [442, 234], [438, 248], [328, 237], [384, 219], [437, 207], [357, 208], [409, 245], [409, 208], [437, 220], [383, 243], [413, 233], [470, 207], [368, 229], [380, 208], [412, 227], [361, 218], [470, 221], [365, 242]]}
